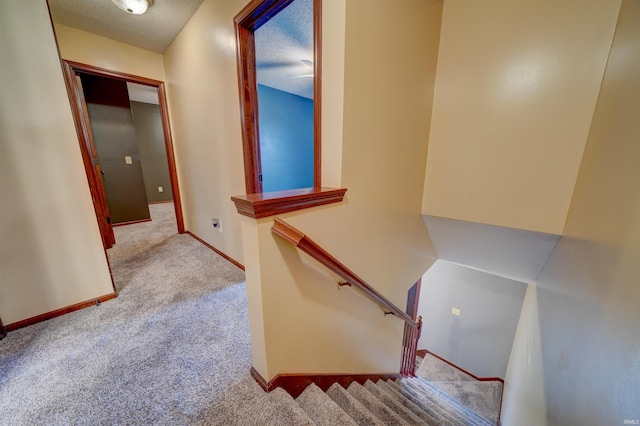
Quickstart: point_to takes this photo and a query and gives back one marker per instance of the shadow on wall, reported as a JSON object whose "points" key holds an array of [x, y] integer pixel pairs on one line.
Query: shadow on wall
{"points": [[479, 335]]}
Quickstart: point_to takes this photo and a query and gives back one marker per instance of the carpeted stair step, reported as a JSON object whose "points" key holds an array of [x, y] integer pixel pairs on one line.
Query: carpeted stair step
{"points": [[406, 414], [433, 369], [429, 417], [425, 403], [322, 409], [447, 403], [354, 408], [274, 408], [446, 406], [481, 397], [373, 404]]}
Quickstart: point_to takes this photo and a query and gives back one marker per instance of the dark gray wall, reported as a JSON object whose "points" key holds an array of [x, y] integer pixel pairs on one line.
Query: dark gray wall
{"points": [[115, 137], [153, 153], [480, 339]]}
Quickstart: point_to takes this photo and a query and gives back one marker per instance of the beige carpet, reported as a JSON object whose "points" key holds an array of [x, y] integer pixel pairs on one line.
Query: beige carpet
{"points": [[166, 351]]}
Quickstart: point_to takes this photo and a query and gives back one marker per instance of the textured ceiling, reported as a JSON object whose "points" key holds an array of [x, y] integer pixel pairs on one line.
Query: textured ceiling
{"points": [[281, 46], [154, 30]]}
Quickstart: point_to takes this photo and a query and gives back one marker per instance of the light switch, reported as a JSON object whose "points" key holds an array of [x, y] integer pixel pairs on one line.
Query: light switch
{"points": [[127, 159], [455, 311], [160, 189]]}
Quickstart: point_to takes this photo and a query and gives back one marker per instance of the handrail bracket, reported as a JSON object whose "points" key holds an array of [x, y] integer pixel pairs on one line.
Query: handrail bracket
{"points": [[343, 283]]}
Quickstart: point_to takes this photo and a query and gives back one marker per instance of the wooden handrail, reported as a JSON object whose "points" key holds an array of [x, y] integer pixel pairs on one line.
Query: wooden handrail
{"points": [[307, 245]]}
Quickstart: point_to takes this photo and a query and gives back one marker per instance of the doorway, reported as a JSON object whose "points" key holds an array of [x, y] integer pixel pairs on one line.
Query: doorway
{"points": [[121, 182]]}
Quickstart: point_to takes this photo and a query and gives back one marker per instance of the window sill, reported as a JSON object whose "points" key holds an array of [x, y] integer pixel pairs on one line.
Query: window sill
{"points": [[272, 203]]}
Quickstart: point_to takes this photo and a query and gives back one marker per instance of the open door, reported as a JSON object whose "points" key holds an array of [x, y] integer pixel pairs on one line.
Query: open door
{"points": [[89, 151], [90, 159]]}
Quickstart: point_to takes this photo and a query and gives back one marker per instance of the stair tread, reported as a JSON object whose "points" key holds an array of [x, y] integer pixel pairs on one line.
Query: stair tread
{"points": [[429, 416], [483, 398], [354, 408], [322, 409], [427, 402], [274, 408], [445, 401], [434, 370], [377, 407], [406, 414]]}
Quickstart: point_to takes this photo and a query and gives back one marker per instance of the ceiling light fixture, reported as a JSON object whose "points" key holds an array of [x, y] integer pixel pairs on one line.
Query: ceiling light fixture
{"points": [[135, 7]]}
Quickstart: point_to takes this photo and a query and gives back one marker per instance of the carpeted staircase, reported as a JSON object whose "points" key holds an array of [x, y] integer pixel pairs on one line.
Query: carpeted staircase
{"points": [[409, 401]]}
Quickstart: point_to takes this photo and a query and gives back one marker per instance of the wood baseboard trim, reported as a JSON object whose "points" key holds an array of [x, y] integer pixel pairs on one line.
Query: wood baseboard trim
{"points": [[161, 202], [422, 352], [131, 222], [59, 312], [230, 259], [295, 384]]}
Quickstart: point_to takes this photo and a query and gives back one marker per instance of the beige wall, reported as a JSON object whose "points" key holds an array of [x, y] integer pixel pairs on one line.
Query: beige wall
{"points": [[575, 359], [202, 87], [51, 255], [516, 86], [307, 325], [91, 49]]}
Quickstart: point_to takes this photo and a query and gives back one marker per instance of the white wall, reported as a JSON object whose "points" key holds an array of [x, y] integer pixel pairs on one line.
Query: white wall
{"points": [[516, 86], [575, 359], [51, 254], [480, 339]]}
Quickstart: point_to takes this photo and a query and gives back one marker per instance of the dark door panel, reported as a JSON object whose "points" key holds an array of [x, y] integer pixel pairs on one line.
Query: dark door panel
{"points": [[114, 134]]}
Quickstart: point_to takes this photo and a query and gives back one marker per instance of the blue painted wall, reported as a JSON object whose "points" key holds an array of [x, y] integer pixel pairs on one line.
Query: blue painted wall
{"points": [[286, 140]]}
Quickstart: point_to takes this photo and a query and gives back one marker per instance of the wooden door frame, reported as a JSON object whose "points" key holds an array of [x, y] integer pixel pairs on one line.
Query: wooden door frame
{"points": [[3, 331], [70, 68]]}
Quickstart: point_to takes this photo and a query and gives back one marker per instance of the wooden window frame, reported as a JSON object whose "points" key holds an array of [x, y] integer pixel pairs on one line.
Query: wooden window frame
{"points": [[255, 203], [252, 17]]}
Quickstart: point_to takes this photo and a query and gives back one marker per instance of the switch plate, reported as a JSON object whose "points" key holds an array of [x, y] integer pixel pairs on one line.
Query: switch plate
{"points": [[160, 189], [455, 311], [127, 159]]}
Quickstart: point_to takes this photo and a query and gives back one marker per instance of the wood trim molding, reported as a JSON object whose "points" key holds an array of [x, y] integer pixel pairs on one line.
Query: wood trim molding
{"points": [[295, 384], [164, 114], [203, 242], [59, 312], [171, 158], [423, 352], [272, 203], [104, 72], [3, 331], [131, 222], [317, 93], [307, 245]]}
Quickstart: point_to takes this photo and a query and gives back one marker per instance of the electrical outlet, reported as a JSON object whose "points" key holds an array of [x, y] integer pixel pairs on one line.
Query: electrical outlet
{"points": [[217, 224], [127, 159], [455, 311], [160, 189]]}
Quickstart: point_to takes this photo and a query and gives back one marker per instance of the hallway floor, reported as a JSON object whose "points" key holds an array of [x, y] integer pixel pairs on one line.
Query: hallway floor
{"points": [[166, 351]]}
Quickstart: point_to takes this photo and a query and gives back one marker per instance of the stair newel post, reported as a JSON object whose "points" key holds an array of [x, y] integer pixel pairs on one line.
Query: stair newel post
{"points": [[414, 344], [405, 344]]}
